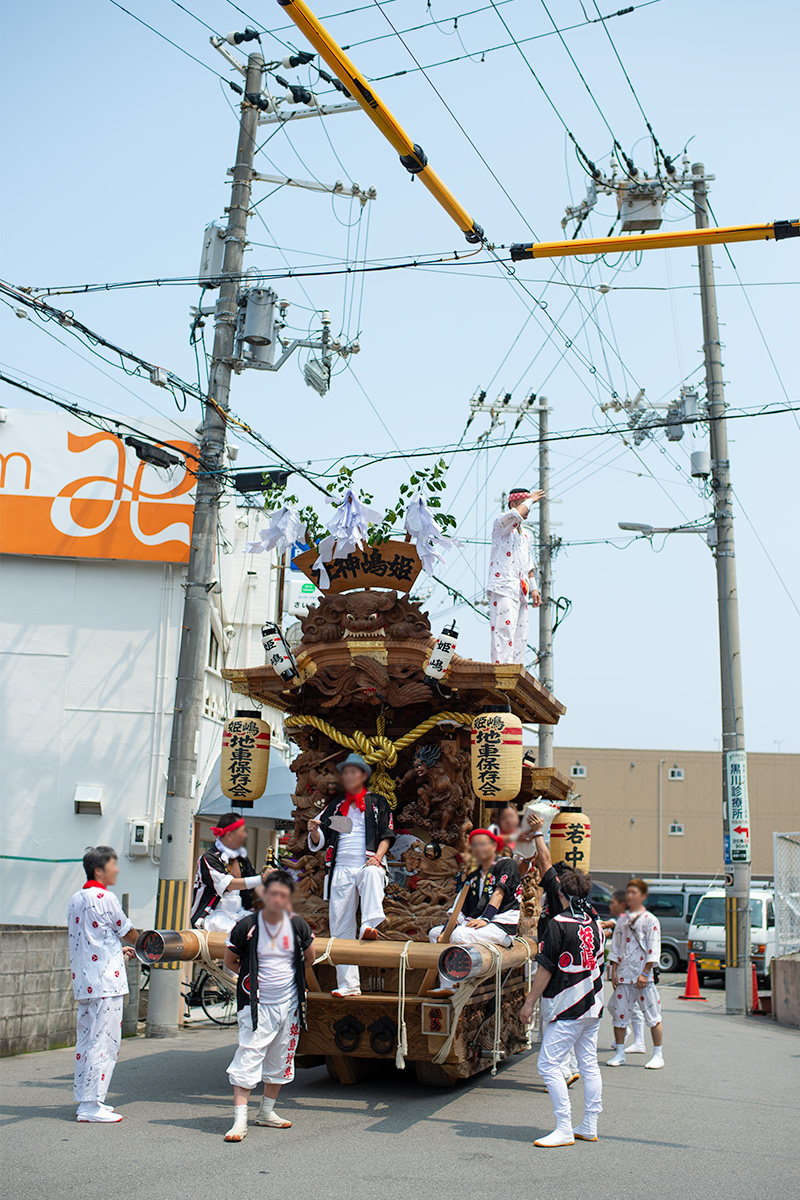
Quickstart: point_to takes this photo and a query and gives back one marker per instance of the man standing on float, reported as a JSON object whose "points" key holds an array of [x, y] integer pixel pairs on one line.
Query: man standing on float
{"points": [[358, 830], [511, 579]]}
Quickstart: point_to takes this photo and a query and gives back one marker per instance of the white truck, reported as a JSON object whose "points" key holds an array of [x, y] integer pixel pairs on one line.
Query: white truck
{"points": [[707, 933]]}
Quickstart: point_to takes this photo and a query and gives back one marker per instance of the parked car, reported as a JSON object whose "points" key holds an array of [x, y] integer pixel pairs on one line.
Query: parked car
{"points": [[673, 901], [600, 896], [707, 933]]}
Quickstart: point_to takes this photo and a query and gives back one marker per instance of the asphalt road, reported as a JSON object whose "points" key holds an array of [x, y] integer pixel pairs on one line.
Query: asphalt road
{"points": [[721, 1120]]}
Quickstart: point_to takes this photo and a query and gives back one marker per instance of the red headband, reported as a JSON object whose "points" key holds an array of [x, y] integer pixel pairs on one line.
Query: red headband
{"points": [[518, 494], [498, 841], [220, 830]]}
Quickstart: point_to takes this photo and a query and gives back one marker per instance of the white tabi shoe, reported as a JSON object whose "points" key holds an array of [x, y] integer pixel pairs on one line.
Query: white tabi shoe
{"points": [[587, 1130], [571, 1077], [238, 1130], [656, 1061], [636, 1048], [618, 1059], [346, 992], [272, 1121], [98, 1113], [558, 1137]]}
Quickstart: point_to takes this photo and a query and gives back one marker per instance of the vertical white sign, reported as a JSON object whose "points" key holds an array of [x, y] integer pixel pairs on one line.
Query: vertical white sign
{"points": [[736, 808]]}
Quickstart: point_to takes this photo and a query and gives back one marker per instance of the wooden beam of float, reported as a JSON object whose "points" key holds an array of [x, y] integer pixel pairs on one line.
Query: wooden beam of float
{"points": [[712, 236], [412, 156], [186, 945]]}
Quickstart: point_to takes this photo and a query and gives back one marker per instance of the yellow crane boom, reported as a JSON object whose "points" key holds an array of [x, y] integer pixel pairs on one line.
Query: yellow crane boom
{"points": [[415, 161]]}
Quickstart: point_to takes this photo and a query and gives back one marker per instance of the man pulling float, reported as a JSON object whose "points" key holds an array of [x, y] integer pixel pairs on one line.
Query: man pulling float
{"points": [[358, 830], [225, 878]]}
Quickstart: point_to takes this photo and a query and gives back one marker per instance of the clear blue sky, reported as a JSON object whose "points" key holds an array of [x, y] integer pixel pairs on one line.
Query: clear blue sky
{"points": [[115, 149]]}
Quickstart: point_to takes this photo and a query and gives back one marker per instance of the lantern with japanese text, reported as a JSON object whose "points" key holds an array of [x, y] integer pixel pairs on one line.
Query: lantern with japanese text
{"points": [[442, 653], [570, 838], [279, 656], [245, 759], [496, 756]]}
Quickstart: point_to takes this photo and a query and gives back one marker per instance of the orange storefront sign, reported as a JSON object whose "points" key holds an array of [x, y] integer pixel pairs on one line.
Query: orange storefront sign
{"points": [[68, 491]]}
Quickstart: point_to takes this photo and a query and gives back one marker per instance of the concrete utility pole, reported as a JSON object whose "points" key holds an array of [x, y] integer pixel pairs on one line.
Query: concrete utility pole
{"points": [[165, 996], [545, 756], [736, 818]]}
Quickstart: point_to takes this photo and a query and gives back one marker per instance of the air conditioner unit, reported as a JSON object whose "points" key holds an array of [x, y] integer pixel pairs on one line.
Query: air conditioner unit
{"points": [[676, 773], [577, 771]]}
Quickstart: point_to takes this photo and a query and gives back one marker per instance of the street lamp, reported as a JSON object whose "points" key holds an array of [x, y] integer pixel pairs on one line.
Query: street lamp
{"points": [[648, 530]]}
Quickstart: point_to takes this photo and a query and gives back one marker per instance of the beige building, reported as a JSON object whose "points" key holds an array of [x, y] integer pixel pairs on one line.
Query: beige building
{"points": [[619, 792]]}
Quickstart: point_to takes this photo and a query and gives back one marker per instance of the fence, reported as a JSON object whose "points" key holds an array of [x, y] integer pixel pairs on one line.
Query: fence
{"points": [[787, 892]]}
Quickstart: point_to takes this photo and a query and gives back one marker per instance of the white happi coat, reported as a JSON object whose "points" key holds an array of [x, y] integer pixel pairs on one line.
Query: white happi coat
{"points": [[96, 924], [512, 558], [630, 930]]}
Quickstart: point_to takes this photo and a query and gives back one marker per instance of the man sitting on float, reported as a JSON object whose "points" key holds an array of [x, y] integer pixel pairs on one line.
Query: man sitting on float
{"points": [[357, 830], [224, 879], [490, 913]]}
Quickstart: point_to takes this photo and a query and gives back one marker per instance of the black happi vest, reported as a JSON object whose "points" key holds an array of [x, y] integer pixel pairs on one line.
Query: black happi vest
{"points": [[378, 826], [204, 897], [504, 874], [243, 939]]}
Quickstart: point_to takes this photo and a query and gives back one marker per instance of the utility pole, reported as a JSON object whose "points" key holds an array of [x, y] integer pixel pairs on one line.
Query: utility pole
{"points": [[545, 758], [165, 985], [736, 820]]}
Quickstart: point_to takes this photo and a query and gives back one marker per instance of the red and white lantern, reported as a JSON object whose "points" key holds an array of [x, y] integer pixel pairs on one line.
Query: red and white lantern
{"points": [[496, 757]]}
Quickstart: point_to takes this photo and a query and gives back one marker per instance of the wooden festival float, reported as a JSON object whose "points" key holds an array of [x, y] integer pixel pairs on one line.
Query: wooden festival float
{"points": [[366, 680]]}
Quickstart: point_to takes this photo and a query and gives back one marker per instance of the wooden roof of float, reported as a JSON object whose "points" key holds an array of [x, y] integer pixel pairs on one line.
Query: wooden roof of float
{"points": [[477, 683]]}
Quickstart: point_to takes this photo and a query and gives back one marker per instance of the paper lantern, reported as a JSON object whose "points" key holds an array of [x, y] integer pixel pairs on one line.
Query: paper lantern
{"points": [[245, 759], [496, 757], [278, 654], [442, 653], [570, 838]]}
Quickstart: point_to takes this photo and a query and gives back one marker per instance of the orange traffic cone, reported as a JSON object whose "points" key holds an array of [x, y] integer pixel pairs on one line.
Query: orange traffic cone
{"points": [[692, 989], [756, 998]]}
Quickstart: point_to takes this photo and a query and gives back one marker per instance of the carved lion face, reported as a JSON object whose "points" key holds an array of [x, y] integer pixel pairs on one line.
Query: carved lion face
{"points": [[363, 613]]}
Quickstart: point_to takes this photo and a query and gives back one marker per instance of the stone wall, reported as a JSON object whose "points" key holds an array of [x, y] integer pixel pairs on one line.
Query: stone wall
{"points": [[37, 1010], [786, 989]]}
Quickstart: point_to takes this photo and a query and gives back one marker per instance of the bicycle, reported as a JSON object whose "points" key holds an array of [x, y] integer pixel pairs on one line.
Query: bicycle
{"points": [[217, 1000]]}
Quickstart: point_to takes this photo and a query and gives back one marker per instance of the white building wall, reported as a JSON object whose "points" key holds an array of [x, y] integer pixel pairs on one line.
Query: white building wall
{"points": [[88, 659]]}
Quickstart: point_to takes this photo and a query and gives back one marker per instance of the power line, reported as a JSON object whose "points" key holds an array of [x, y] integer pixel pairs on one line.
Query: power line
{"points": [[164, 38], [565, 436], [503, 45], [72, 325], [95, 419], [781, 580]]}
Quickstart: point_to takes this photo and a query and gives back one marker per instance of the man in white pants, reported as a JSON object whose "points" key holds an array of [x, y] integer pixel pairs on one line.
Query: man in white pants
{"points": [[511, 580], [269, 951], [490, 913], [569, 980], [357, 830], [97, 927], [616, 908], [635, 951]]}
